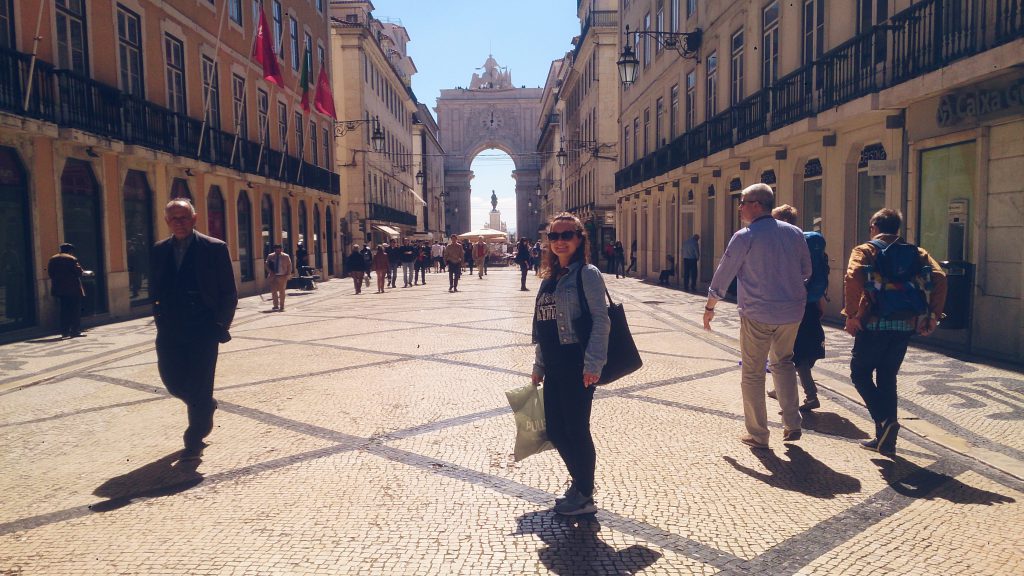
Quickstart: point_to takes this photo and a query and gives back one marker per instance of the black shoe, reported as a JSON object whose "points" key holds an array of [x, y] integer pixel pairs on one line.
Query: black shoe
{"points": [[810, 404], [872, 444], [887, 441]]}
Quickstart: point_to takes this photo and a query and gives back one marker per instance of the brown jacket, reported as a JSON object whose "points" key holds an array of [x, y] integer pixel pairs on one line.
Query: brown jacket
{"points": [[65, 275], [454, 253], [858, 303], [380, 262]]}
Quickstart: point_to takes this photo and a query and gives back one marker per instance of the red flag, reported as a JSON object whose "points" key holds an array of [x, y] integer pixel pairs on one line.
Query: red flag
{"points": [[324, 100], [263, 53]]}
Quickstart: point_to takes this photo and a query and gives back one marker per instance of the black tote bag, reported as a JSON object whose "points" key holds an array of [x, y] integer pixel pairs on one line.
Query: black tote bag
{"points": [[623, 357]]}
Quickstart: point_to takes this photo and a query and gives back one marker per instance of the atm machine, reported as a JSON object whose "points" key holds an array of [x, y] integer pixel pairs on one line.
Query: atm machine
{"points": [[959, 272]]}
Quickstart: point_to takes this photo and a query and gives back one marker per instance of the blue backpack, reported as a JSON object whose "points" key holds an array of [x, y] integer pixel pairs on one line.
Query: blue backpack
{"points": [[817, 284], [898, 281]]}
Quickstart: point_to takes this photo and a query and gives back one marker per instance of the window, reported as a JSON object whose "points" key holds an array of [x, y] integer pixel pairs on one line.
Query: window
{"points": [[211, 93], [691, 98], [325, 141], [736, 69], [313, 148], [691, 7], [869, 14], [71, 36], [811, 209], [6, 24], [239, 105], [711, 104], [262, 110], [278, 28], [175, 54], [129, 51], [647, 130], [659, 116], [673, 16], [673, 113], [282, 125], [235, 11], [647, 40], [636, 137], [660, 23], [293, 29], [770, 45], [814, 30], [625, 144], [320, 6], [300, 141], [321, 57], [215, 215], [308, 49]]}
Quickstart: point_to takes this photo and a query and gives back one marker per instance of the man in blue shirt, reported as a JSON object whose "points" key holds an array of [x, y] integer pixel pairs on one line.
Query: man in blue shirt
{"points": [[770, 260]]}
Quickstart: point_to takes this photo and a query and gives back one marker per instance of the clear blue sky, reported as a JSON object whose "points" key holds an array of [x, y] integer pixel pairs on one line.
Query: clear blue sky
{"points": [[450, 39]]}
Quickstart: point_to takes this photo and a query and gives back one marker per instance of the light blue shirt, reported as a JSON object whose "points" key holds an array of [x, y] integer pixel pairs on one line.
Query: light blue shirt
{"points": [[771, 261]]}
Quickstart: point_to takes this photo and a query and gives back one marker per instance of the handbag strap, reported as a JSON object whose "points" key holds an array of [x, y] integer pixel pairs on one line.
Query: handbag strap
{"points": [[579, 291]]}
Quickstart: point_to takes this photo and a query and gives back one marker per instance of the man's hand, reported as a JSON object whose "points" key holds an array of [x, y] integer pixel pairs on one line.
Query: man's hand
{"points": [[928, 326], [852, 326], [536, 379], [590, 379]]}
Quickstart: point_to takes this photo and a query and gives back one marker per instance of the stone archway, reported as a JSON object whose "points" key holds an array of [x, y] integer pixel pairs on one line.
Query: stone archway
{"points": [[491, 113]]}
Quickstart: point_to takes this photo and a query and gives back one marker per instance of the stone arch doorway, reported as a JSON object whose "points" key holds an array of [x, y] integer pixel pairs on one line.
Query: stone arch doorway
{"points": [[490, 114]]}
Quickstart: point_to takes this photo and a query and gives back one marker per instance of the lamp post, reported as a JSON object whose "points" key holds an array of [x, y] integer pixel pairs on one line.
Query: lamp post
{"points": [[686, 44], [343, 127]]}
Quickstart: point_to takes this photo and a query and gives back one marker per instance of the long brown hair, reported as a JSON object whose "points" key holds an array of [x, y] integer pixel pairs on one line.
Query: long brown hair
{"points": [[550, 267]]}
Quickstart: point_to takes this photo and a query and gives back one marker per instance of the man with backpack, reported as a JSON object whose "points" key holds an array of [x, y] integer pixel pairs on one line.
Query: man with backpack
{"points": [[893, 289]]}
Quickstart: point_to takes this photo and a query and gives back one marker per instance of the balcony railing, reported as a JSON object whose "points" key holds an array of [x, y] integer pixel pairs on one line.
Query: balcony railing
{"points": [[389, 214], [918, 40], [72, 101]]}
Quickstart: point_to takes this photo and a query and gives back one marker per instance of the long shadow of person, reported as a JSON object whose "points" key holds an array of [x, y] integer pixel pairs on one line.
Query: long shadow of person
{"points": [[163, 477], [912, 481], [833, 424], [802, 473], [573, 547]]}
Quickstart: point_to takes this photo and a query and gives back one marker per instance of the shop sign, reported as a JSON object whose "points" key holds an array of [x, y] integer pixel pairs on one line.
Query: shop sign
{"points": [[609, 218], [973, 105], [883, 167]]}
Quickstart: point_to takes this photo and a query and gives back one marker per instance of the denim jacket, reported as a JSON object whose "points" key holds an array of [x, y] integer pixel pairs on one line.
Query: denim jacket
{"points": [[569, 310]]}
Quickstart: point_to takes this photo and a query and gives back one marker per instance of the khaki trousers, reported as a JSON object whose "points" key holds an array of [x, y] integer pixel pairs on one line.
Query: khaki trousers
{"points": [[772, 342], [278, 284]]}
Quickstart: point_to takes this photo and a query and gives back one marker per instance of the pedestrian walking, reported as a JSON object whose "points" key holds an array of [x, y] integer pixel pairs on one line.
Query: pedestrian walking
{"points": [[480, 256], [454, 255], [437, 255], [194, 298], [893, 289], [771, 262], [809, 346], [569, 363], [393, 262], [66, 286], [620, 259], [691, 254], [356, 265], [467, 255], [279, 270], [523, 259], [422, 263], [367, 262], [407, 255], [632, 258], [535, 253], [381, 265]]}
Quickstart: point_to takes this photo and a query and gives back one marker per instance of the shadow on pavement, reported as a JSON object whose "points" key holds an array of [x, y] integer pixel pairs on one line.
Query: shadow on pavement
{"points": [[573, 547], [912, 481], [45, 340], [802, 473], [833, 424], [163, 477]]}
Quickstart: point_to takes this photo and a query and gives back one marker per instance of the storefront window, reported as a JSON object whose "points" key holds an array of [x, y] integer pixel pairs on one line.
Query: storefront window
{"points": [[947, 187], [216, 220], [138, 229], [245, 252], [267, 235], [17, 308], [330, 242], [317, 251], [286, 226], [870, 190], [83, 227], [810, 211], [179, 189]]}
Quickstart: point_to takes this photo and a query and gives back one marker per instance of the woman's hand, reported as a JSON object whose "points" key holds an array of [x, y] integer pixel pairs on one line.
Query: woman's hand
{"points": [[536, 380], [590, 379]]}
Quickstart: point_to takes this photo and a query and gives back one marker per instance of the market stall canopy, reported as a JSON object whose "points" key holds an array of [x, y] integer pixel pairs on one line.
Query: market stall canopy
{"points": [[387, 230], [486, 233]]}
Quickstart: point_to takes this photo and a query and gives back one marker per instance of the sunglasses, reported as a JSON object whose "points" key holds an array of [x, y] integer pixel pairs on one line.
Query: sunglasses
{"points": [[567, 235]]}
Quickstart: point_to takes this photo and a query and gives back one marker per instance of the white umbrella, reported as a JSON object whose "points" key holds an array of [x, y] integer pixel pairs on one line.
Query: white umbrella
{"points": [[486, 233]]}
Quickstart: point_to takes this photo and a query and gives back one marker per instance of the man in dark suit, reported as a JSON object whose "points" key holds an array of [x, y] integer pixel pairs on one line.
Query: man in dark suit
{"points": [[66, 285], [193, 285]]}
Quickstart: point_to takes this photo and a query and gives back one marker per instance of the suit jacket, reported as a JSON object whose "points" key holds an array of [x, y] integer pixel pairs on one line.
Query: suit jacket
{"points": [[214, 274], [65, 275]]}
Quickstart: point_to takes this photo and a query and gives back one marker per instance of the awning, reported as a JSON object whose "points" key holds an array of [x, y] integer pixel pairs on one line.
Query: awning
{"points": [[388, 230]]}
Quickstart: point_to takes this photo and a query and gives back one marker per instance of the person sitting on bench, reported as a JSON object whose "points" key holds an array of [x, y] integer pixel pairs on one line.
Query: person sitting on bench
{"points": [[669, 270]]}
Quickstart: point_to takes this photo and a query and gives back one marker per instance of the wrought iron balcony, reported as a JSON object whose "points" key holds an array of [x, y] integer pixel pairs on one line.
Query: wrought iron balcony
{"points": [[72, 101], [388, 214]]}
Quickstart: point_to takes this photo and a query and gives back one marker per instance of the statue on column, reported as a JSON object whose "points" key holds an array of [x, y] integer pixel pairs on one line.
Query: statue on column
{"points": [[494, 201]]}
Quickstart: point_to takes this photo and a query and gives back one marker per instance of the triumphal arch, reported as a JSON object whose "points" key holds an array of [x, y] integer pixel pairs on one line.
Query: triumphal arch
{"points": [[491, 113]]}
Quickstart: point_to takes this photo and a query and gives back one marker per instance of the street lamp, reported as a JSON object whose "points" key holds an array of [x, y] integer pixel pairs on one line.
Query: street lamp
{"points": [[343, 127], [420, 177], [687, 44], [561, 156]]}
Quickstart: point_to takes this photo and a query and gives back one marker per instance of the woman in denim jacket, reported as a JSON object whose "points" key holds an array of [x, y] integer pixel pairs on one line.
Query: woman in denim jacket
{"points": [[570, 364]]}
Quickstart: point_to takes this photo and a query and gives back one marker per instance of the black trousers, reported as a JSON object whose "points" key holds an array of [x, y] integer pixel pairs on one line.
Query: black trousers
{"points": [[690, 274], [454, 271], [419, 271], [567, 415], [524, 269], [70, 315], [187, 363], [877, 357]]}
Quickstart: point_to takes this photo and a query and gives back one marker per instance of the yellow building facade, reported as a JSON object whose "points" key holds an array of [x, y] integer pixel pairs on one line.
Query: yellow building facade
{"points": [[843, 108], [124, 105]]}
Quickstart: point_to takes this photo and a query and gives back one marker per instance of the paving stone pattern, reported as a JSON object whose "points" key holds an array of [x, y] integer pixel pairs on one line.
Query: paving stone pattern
{"points": [[370, 434]]}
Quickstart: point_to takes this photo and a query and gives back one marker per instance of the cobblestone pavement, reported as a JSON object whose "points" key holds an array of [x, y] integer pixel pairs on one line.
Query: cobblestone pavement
{"points": [[370, 435]]}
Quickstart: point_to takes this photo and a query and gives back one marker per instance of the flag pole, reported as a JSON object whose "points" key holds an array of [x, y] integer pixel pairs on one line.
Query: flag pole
{"points": [[32, 63], [245, 88], [214, 76]]}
